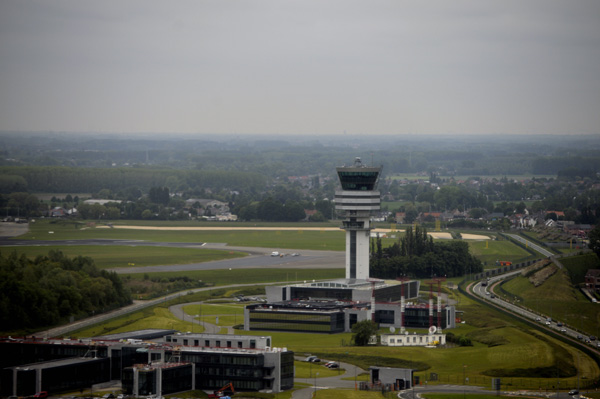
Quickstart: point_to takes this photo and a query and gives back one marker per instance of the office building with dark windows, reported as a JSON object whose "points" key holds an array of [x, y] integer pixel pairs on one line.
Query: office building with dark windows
{"points": [[171, 363]]}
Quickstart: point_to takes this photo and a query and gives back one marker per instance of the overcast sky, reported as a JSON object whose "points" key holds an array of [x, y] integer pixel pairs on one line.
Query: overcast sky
{"points": [[301, 66]]}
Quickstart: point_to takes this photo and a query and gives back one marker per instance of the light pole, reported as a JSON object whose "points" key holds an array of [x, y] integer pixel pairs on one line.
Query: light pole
{"points": [[464, 381], [193, 322], [316, 375]]}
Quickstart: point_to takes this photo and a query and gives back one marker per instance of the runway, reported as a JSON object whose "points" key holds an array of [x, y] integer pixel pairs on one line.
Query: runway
{"points": [[256, 257]]}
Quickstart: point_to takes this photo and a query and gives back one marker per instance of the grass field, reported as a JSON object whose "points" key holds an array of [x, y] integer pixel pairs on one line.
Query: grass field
{"points": [[115, 256], [490, 251], [248, 276]]}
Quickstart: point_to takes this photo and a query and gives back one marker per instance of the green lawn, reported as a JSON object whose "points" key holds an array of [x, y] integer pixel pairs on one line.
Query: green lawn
{"points": [[247, 276], [490, 251]]}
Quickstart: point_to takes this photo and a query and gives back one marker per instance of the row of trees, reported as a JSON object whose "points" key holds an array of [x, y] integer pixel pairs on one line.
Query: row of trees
{"points": [[53, 288], [417, 255]]}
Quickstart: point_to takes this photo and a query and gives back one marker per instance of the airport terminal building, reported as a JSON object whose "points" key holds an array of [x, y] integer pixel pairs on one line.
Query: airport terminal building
{"points": [[336, 305]]}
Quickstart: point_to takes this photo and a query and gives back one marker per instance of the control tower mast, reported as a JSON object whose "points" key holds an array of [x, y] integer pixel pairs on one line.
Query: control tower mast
{"points": [[357, 200]]}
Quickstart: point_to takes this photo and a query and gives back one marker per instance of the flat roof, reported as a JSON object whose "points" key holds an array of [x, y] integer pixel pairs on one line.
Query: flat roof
{"points": [[150, 333], [352, 284], [58, 363]]}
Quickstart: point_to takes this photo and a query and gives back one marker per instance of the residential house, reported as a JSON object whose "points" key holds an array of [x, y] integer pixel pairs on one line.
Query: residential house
{"points": [[592, 280]]}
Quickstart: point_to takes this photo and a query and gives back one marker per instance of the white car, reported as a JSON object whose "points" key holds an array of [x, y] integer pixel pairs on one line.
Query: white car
{"points": [[274, 253]]}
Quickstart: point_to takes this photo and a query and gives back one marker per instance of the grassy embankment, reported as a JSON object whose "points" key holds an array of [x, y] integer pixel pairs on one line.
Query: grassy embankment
{"points": [[559, 296]]}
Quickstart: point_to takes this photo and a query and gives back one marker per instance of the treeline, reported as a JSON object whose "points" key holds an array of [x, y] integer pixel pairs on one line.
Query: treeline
{"points": [[90, 180], [51, 289], [556, 164], [416, 255]]}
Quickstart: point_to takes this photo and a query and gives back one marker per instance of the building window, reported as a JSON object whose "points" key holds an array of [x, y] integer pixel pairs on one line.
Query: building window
{"points": [[229, 344], [206, 343], [218, 344], [240, 344]]}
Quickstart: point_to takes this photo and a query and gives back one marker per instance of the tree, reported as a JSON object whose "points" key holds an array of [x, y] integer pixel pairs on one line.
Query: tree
{"points": [[411, 213], [594, 237], [363, 331]]}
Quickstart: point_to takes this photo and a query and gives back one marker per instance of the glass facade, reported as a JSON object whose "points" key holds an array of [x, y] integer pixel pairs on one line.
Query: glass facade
{"points": [[358, 180], [331, 293], [352, 255], [215, 370], [330, 322], [419, 317], [287, 370]]}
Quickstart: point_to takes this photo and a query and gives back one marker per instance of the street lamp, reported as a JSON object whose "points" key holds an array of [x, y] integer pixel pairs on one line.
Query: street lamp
{"points": [[316, 375], [464, 381], [193, 322]]}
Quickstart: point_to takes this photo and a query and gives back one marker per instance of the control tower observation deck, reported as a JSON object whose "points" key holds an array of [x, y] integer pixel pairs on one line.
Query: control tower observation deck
{"points": [[357, 200]]}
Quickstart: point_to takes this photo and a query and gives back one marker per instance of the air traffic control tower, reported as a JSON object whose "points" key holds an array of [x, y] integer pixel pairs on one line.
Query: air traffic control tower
{"points": [[356, 202]]}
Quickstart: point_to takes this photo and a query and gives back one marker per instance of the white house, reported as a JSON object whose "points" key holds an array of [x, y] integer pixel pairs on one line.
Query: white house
{"points": [[415, 339]]}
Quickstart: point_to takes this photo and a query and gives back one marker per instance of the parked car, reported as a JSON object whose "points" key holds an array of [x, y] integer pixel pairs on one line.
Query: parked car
{"points": [[41, 395], [573, 392], [333, 366], [310, 358]]}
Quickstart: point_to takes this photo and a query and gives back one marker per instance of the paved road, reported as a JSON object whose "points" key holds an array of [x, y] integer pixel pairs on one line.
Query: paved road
{"points": [[533, 245], [487, 293]]}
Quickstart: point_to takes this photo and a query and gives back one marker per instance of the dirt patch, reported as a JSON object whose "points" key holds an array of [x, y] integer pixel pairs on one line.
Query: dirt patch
{"points": [[474, 237], [9, 229]]}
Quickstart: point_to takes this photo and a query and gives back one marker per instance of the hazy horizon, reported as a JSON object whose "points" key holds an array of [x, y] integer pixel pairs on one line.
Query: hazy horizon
{"points": [[301, 67]]}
